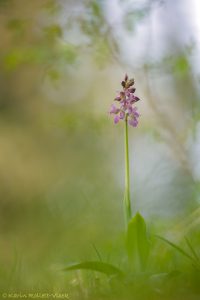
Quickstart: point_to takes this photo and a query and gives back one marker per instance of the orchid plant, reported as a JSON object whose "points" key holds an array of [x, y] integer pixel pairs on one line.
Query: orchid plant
{"points": [[137, 244], [126, 111], [136, 238]]}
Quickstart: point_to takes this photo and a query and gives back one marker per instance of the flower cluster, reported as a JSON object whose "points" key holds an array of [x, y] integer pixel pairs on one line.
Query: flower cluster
{"points": [[126, 101]]}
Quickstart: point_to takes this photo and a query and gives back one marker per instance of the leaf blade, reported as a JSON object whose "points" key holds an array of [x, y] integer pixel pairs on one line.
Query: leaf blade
{"points": [[97, 266], [137, 242]]}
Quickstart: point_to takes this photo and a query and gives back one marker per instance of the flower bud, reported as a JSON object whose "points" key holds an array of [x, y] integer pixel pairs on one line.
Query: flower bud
{"points": [[123, 83], [126, 77], [130, 83]]}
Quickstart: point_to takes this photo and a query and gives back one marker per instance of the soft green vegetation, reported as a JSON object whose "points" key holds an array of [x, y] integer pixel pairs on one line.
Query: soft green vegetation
{"points": [[61, 158]]}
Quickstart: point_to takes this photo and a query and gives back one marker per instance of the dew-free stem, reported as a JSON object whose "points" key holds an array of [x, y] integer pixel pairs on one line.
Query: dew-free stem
{"points": [[127, 200]]}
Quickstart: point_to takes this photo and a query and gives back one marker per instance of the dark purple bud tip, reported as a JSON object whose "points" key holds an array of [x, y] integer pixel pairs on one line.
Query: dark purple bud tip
{"points": [[123, 83], [132, 90], [118, 98], [136, 99], [126, 77]]}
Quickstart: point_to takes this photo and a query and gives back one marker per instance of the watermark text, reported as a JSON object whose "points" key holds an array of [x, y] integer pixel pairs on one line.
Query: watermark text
{"points": [[18, 295]]}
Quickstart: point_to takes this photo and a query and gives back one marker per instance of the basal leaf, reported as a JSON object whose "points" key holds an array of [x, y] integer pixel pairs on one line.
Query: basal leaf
{"points": [[97, 266], [137, 242]]}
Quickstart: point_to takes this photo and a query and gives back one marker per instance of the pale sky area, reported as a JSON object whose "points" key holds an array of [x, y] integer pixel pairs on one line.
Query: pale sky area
{"points": [[151, 33]]}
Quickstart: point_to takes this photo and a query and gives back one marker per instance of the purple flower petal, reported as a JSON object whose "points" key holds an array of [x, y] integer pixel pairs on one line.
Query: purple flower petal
{"points": [[114, 109], [122, 95], [132, 90], [127, 93], [116, 119], [136, 114], [130, 109], [133, 122], [122, 115], [136, 98]]}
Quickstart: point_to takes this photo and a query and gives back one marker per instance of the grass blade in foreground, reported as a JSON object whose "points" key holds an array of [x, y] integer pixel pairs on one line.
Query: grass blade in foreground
{"points": [[97, 266], [180, 250], [192, 250]]}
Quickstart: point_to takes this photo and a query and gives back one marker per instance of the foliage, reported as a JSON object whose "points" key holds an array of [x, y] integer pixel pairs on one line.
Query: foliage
{"points": [[60, 159]]}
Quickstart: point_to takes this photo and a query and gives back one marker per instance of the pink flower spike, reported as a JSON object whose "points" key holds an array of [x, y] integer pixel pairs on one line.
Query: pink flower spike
{"points": [[126, 99]]}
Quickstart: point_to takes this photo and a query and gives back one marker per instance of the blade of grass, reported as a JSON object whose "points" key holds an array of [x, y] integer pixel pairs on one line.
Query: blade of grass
{"points": [[97, 266], [97, 252], [192, 249], [180, 250]]}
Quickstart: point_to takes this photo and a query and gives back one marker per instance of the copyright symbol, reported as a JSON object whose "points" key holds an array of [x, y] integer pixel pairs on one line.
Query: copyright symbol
{"points": [[4, 295]]}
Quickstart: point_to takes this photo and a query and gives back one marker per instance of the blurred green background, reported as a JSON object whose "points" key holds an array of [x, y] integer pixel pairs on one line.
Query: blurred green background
{"points": [[61, 157]]}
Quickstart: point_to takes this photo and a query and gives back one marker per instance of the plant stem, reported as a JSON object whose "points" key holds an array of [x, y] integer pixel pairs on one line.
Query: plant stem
{"points": [[127, 202]]}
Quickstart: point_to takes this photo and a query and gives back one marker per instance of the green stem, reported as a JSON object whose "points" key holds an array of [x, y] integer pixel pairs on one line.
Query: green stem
{"points": [[127, 202]]}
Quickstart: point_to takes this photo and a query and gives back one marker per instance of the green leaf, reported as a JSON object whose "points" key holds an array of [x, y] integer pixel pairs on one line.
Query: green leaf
{"points": [[137, 242], [97, 266]]}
